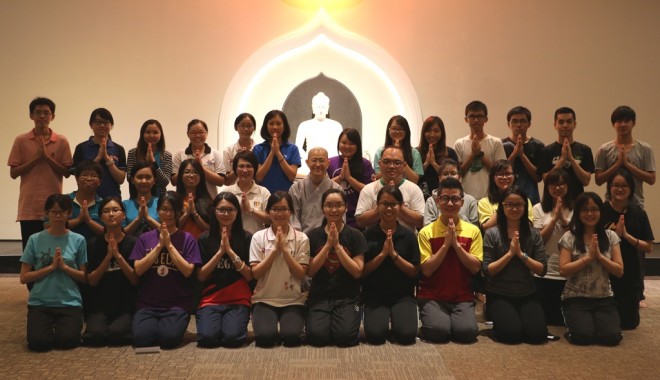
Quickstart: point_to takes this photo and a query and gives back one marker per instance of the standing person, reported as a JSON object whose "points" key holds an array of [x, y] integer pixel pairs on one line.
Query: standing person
{"points": [[85, 216], [629, 221], [279, 256], [566, 153], [626, 152], [433, 148], [244, 125], [523, 152], [451, 253], [500, 180], [350, 170], [151, 148], [279, 160], [164, 259], [398, 134], [337, 258], [112, 280], [253, 197], [54, 260], [588, 255], [41, 158], [210, 159], [197, 213], [391, 263], [469, 209], [307, 193], [411, 214], [141, 209], [102, 149], [477, 151], [224, 309], [512, 252], [551, 218]]}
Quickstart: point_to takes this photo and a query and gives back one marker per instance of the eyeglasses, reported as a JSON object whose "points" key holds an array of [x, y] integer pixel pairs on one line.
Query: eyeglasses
{"points": [[190, 173], [99, 122], [318, 160], [334, 206], [57, 212], [504, 175], [513, 205], [245, 126], [558, 185], [225, 210], [396, 130], [107, 211], [391, 163], [444, 199], [197, 133], [279, 210], [620, 186], [387, 205], [476, 117]]}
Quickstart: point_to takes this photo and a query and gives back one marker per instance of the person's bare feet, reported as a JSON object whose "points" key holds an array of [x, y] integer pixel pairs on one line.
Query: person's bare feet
{"points": [[643, 304]]}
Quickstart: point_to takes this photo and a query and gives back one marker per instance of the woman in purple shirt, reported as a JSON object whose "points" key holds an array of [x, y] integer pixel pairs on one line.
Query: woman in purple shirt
{"points": [[164, 258]]}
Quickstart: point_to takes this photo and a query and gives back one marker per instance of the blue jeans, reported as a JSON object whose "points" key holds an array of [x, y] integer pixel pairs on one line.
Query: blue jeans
{"points": [[164, 327], [222, 325]]}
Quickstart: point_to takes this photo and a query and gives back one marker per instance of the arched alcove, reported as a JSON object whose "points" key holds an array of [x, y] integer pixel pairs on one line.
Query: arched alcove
{"points": [[378, 82]]}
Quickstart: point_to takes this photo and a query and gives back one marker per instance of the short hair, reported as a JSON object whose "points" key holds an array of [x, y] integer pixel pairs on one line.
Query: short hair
{"points": [[476, 105], [392, 147], [448, 162], [242, 116], [175, 200], [248, 156], [39, 101], [103, 113], [623, 113], [86, 165], [562, 110], [330, 191], [623, 172], [554, 177], [61, 200], [498, 166], [264, 127], [450, 183], [277, 197], [392, 190], [197, 121], [519, 110], [141, 150]]}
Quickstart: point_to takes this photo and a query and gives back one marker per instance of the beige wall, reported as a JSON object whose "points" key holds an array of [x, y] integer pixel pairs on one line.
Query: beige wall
{"points": [[173, 60]]}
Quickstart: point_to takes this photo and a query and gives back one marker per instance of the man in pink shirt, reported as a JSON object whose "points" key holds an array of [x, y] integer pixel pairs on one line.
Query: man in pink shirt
{"points": [[41, 158]]}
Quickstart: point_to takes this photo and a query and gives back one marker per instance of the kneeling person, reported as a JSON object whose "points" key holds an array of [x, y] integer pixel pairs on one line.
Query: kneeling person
{"points": [[451, 252]]}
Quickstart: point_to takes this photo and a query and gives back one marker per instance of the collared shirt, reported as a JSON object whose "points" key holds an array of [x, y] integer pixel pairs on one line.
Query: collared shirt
{"points": [[257, 197], [211, 160], [40, 181]]}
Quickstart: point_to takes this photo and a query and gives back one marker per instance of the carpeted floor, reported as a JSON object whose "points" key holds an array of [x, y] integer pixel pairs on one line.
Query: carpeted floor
{"points": [[636, 357]]}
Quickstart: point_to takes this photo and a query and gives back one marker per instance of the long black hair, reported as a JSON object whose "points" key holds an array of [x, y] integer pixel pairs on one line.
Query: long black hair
{"points": [[341, 193], [524, 229], [405, 145], [202, 197], [493, 190], [141, 149], [237, 239], [577, 228], [355, 164], [439, 151]]}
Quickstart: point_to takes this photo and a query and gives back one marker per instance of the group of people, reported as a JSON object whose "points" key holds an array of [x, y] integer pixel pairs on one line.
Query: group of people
{"points": [[413, 240]]}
